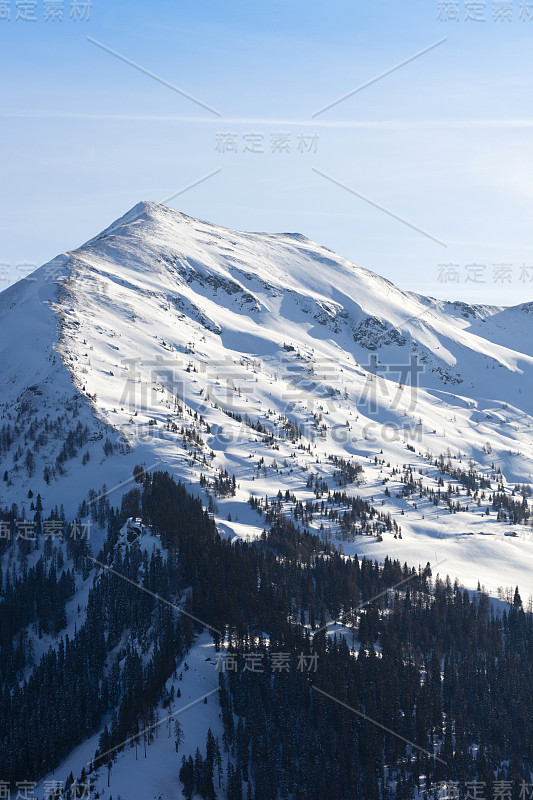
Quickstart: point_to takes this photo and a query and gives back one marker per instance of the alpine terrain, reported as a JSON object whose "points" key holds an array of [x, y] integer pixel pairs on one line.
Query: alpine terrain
{"points": [[265, 525]]}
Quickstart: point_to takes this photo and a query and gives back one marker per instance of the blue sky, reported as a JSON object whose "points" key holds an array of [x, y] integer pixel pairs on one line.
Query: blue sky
{"points": [[443, 142]]}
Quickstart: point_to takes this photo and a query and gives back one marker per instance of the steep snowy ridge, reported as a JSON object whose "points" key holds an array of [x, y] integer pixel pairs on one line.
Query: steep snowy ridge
{"points": [[163, 325], [184, 346]]}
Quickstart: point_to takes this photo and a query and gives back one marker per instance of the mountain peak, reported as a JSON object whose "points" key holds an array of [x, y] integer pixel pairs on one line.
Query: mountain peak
{"points": [[166, 336], [144, 211]]}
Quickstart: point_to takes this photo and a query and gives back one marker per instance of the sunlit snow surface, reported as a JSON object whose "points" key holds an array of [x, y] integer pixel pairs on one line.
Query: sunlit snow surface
{"points": [[164, 322], [161, 308]]}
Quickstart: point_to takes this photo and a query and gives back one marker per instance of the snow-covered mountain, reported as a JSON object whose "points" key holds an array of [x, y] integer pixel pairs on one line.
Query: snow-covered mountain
{"points": [[176, 343], [268, 374]]}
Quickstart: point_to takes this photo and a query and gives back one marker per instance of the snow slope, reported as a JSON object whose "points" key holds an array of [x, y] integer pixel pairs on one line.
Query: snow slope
{"points": [[181, 345], [177, 343]]}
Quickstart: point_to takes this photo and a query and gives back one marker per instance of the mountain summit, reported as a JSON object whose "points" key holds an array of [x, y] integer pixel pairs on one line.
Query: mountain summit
{"points": [[170, 340]]}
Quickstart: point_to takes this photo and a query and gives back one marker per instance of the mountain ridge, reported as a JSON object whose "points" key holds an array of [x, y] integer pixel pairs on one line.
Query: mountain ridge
{"points": [[174, 341]]}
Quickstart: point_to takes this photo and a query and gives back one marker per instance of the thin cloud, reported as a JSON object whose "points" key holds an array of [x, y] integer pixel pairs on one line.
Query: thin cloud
{"points": [[385, 124]]}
